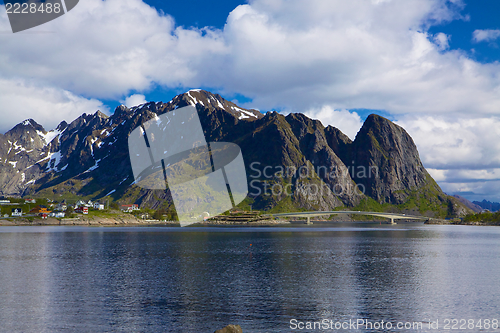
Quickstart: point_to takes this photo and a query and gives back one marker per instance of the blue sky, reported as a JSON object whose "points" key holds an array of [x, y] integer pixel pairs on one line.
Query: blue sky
{"points": [[196, 13], [432, 66]]}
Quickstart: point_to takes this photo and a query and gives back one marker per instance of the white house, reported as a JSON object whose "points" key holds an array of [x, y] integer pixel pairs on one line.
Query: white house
{"points": [[16, 212], [57, 214], [129, 208], [98, 206], [61, 207], [81, 203]]}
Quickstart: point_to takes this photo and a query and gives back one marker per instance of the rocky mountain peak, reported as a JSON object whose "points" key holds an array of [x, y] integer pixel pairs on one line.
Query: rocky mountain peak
{"points": [[99, 114], [28, 124], [385, 160], [120, 111], [206, 100], [62, 126]]}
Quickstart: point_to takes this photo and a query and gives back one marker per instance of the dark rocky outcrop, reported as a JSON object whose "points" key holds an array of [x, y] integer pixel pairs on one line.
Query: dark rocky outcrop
{"points": [[385, 161]]}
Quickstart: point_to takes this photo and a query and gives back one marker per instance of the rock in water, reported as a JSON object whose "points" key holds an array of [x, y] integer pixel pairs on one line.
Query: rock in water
{"points": [[230, 329]]}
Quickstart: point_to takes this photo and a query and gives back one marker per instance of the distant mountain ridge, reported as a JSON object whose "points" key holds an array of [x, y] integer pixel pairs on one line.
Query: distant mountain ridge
{"points": [[472, 205], [89, 158], [491, 206]]}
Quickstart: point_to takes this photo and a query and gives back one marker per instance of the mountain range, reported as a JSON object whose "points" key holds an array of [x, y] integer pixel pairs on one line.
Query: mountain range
{"points": [[292, 162], [491, 206]]}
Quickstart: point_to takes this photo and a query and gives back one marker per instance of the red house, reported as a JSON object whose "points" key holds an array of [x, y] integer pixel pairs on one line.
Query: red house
{"points": [[82, 210], [129, 208]]}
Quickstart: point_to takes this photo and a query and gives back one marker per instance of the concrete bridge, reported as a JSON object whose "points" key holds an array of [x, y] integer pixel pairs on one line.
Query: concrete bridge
{"points": [[390, 216]]}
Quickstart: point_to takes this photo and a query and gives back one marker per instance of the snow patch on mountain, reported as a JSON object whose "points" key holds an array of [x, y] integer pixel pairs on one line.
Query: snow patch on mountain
{"points": [[49, 136], [55, 159], [92, 168], [110, 193]]}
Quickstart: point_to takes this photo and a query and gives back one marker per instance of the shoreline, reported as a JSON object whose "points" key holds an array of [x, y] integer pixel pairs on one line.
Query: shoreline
{"points": [[475, 223], [133, 221], [124, 221]]}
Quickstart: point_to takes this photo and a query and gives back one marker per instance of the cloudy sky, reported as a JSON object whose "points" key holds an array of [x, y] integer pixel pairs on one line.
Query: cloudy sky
{"points": [[432, 66]]}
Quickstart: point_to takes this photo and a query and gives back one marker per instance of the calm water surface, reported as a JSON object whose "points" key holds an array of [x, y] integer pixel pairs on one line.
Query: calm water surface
{"points": [[161, 279]]}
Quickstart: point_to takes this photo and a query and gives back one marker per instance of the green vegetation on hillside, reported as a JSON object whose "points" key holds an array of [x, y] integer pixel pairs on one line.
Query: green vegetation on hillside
{"points": [[486, 218]]}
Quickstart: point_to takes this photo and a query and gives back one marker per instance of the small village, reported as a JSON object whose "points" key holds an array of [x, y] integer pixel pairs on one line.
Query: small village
{"points": [[47, 208], [88, 211]]}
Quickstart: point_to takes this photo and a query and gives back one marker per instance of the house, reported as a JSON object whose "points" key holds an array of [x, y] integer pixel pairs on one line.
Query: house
{"points": [[144, 216], [129, 208], [16, 212], [82, 210], [60, 207], [98, 206], [29, 201], [57, 214], [81, 203], [40, 210]]}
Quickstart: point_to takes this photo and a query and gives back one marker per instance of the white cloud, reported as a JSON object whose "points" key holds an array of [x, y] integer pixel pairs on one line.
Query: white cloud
{"points": [[441, 40], [293, 54], [104, 49], [134, 100], [354, 54], [348, 122], [458, 143], [20, 100], [461, 154], [487, 35]]}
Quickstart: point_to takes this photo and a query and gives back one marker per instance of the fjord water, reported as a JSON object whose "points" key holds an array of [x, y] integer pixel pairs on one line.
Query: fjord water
{"points": [[161, 279]]}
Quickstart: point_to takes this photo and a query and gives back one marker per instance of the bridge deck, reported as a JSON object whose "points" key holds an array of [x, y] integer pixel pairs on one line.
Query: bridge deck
{"points": [[391, 216]]}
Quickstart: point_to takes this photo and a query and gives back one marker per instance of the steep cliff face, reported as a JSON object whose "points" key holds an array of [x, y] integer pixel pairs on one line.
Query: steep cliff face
{"points": [[282, 165], [338, 141], [314, 146], [385, 161], [292, 162]]}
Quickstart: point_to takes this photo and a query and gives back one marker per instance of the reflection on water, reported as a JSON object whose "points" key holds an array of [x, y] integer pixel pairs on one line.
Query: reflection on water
{"points": [[55, 279]]}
